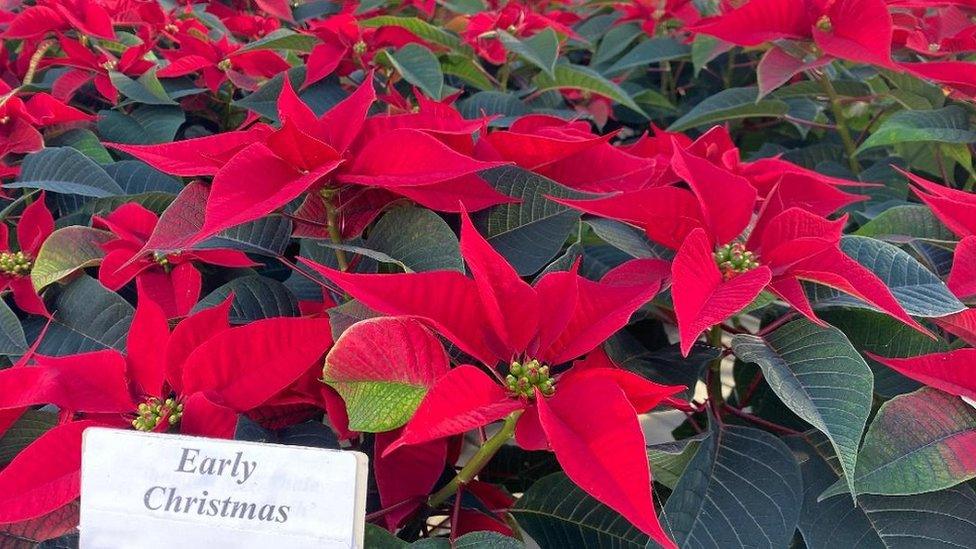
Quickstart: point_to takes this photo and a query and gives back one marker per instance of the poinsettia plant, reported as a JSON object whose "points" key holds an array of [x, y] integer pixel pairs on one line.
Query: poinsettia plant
{"points": [[647, 273]]}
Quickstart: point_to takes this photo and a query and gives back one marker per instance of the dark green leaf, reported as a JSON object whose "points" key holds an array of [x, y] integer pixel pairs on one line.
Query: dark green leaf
{"points": [[146, 89], [577, 77], [742, 489], [906, 223], [65, 170], [66, 251], [944, 519], [669, 460], [28, 427], [541, 49], [729, 104], [82, 140], [12, 339], [558, 515], [529, 233], [820, 376], [269, 236], [87, 317], [416, 26], [255, 297], [419, 66], [144, 125], [136, 177], [946, 125], [417, 238], [650, 51]]}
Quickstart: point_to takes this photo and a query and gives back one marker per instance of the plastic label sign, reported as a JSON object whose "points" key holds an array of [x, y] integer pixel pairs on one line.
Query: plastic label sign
{"points": [[151, 490]]}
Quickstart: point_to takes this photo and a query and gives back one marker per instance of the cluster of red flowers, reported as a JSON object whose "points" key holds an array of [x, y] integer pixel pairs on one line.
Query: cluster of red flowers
{"points": [[323, 117]]}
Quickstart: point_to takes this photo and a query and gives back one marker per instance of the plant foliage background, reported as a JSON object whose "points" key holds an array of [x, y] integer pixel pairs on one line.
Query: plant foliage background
{"points": [[493, 244]]}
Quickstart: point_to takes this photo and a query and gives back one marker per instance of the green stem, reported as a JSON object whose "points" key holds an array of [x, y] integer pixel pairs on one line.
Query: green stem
{"points": [[715, 370], [477, 461], [839, 120], [335, 235]]}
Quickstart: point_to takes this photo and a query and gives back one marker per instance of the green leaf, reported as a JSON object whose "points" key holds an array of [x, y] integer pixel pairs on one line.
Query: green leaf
{"points": [[937, 519], [730, 104], [87, 317], [878, 333], [529, 233], [144, 125], [382, 368], [66, 251], [628, 239], [582, 78], [946, 125], [467, 69], [255, 297], [906, 223], [83, 140], [917, 289], [558, 515], [918, 442], [820, 376], [137, 177], [419, 66], [65, 170], [704, 49], [614, 42], [378, 537], [669, 460], [282, 39], [418, 238], [650, 51], [28, 427], [487, 540], [422, 29], [541, 49], [269, 236], [146, 89], [742, 489], [486, 103], [12, 339]]}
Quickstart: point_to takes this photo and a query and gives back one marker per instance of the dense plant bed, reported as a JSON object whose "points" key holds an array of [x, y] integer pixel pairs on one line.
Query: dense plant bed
{"points": [[609, 274]]}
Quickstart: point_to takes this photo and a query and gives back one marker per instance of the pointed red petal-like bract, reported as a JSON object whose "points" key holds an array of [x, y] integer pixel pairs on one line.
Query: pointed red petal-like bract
{"points": [[200, 156], [203, 417], [341, 124], [834, 268], [291, 109], [35, 225], [597, 439], [190, 334], [511, 304], [962, 325], [953, 372], [409, 473], [255, 183], [604, 307], [181, 221], [643, 395], [44, 476], [456, 312], [469, 192], [667, 214], [962, 277], [176, 292], [248, 365], [701, 297], [860, 31], [759, 21], [726, 200], [463, 399], [148, 335], [424, 160], [955, 208], [87, 382]]}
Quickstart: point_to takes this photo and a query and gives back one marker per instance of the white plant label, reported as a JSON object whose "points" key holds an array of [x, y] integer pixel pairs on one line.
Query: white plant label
{"points": [[152, 491]]}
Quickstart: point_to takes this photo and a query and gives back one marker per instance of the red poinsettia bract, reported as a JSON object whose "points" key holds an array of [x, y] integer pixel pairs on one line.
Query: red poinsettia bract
{"points": [[727, 253], [339, 156], [530, 333], [197, 377], [35, 225], [167, 277]]}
